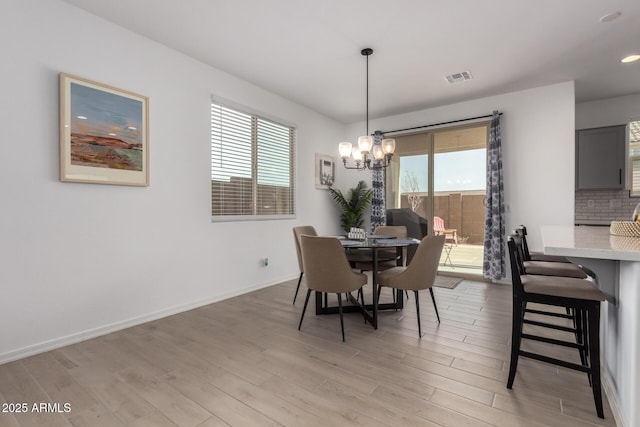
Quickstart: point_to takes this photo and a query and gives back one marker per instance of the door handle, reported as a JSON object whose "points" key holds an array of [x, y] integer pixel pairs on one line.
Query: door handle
{"points": [[620, 176]]}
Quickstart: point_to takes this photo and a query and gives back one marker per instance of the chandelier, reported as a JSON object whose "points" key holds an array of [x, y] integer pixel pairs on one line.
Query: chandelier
{"points": [[367, 155]]}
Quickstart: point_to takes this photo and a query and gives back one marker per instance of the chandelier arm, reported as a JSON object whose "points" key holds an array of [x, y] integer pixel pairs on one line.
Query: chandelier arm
{"points": [[380, 164], [356, 167]]}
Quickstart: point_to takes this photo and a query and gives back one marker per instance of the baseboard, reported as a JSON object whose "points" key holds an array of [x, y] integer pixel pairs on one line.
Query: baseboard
{"points": [[118, 326], [611, 397]]}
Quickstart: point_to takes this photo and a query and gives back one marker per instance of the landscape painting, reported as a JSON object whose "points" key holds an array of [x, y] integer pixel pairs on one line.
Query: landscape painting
{"points": [[103, 133]]}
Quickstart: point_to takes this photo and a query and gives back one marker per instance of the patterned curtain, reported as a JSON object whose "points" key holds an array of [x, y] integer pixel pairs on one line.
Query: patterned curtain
{"points": [[493, 266], [378, 208]]}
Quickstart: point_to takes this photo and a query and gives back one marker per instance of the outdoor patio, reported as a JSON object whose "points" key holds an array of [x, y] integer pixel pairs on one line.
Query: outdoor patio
{"points": [[462, 258]]}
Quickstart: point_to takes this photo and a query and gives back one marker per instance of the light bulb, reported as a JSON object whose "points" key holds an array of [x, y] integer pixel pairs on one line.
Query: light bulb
{"points": [[365, 143], [388, 146], [377, 152], [345, 149], [356, 154]]}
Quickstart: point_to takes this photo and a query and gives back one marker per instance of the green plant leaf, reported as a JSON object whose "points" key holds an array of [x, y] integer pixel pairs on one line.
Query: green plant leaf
{"points": [[353, 205]]}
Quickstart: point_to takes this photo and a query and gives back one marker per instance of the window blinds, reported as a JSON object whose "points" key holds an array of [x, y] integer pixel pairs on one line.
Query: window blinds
{"points": [[634, 156], [252, 166]]}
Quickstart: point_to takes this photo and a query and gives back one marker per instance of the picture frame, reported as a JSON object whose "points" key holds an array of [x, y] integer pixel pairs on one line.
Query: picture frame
{"points": [[325, 171], [104, 133]]}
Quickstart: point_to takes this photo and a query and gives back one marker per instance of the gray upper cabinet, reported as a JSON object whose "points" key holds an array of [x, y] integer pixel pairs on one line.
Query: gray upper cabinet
{"points": [[600, 158]]}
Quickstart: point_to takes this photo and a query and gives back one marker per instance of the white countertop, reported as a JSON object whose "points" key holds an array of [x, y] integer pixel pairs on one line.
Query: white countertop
{"points": [[589, 242]]}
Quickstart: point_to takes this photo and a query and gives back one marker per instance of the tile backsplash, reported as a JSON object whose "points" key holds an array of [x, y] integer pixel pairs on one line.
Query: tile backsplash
{"points": [[604, 205]]}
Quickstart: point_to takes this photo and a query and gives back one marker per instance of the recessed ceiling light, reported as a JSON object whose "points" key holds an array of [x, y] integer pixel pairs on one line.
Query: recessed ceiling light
{"points": [[630, 58], [610, 17]]}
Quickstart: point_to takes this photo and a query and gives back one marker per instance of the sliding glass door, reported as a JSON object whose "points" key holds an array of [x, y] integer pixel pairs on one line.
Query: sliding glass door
{"points": [[440, 175], [409, 177]]}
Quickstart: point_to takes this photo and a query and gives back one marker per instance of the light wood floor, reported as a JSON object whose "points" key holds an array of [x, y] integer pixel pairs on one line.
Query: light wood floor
{"points": [[243, 362]]}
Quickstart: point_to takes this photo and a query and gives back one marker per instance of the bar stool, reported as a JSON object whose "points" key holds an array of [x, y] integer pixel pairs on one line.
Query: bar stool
{"points": [[521, 230], [579, 295], [553, 266], [546, 265], [558, 269]]}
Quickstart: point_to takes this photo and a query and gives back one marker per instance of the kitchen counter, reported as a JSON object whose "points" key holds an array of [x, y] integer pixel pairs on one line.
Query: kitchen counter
{"points": [[589, 242], [616, 261]]}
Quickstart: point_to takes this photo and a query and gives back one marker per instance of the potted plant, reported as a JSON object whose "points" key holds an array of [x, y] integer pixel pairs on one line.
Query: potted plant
{"points": [[353, 205]]}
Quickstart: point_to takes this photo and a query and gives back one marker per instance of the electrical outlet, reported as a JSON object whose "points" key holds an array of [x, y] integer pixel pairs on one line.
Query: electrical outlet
{"points": [[590, 204]]}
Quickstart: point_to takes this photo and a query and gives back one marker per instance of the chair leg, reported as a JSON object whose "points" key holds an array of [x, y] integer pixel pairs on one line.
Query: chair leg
{"points": [[594, 355], [433, 298], [306, 301], [582, 337], [360, 298], [418, 313], [298, 287], [585, 333], [340, 311], [516, 334]]}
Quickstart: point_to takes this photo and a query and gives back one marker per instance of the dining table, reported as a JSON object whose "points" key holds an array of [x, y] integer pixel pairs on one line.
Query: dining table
{"points": [[367, 249]]}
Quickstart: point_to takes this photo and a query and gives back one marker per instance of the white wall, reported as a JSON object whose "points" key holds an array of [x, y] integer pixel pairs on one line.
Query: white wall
{"points": [[537, 147], [83, 259], [608, 112]]}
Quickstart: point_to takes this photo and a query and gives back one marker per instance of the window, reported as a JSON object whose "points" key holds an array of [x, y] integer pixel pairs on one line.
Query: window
{"points": [[252, 166], [634, 156], [458, 165]]}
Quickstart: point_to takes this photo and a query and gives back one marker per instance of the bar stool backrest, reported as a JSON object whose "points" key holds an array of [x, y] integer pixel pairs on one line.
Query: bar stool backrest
{"points": [[517, 263], [521, 231]]}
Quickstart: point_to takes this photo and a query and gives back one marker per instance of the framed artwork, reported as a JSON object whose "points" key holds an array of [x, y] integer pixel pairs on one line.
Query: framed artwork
{"points": [[325, 171], [104, 134]]}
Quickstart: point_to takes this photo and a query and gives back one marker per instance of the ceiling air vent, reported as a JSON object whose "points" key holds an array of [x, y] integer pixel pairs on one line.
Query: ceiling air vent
{"points": [[459, 77]]}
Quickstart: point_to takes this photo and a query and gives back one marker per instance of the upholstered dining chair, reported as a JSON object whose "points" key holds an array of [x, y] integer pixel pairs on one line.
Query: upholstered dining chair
{"points": [[297, 232], [419, 274], [387, 258], [327, 270]]}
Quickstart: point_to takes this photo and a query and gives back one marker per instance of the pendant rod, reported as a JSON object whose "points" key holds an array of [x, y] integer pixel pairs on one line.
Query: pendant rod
{"points": [[366, 52], [367, 116]]}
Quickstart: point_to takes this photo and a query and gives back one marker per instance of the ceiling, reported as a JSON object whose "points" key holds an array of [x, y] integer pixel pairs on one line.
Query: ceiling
{"points": [[309, 51]]}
